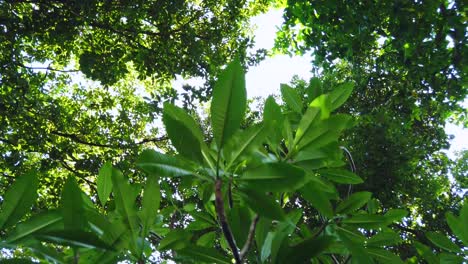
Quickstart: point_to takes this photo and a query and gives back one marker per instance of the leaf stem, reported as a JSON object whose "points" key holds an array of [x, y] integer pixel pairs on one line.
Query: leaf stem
{"points": [[250, 237], [222, 219]]}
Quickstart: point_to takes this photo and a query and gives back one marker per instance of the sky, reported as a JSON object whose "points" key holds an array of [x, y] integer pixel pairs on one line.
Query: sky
{"points": [[265, 78]]}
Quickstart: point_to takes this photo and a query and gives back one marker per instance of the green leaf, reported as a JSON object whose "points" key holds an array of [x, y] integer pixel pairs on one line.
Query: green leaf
{"points": [[207, 239], [307, 249], [426, 253], [176, 239], [387, 238], [384, 256], [150, 203], [447, 258], [74, 238], [183, 131], [262, 204], [204, 254], [124, 198], [314, 89], [340, 176], [229, 103], [459, 228], [443, 242], [353, 202], [366, 220], [308, 121], [315, 195], [244, 142], [325, 132], [18, 199], [395, 215], [153, 162], [339, 95], [72, 206], [16, 261], [37, 223], [274, 177], [357, 249], [104, 183], [273, 119], [291, 98]]}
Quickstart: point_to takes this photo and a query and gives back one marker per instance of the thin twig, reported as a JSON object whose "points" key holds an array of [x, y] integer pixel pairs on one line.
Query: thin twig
{"points": [[224, 224], [250, 237]]}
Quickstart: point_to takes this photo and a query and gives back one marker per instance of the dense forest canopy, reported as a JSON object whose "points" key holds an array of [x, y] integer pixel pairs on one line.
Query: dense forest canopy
{"points": [[348, 167]]}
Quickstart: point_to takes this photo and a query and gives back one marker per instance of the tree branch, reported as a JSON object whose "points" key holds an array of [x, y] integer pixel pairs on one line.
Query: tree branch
{"points": [[224, 224], [250, 237]]}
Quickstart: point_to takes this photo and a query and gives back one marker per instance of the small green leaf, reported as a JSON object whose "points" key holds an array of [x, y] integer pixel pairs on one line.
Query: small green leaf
{"points": [[104, 183], [207, 239], [74, 238], [274, 177], [183, 132], [442, 242], [229, 103], [37, 223], [150, 203], [291, 98], [353, 202], [366, 220], [72, 206], [204, 254], [340, 176], [262, 204], [395, 215], [18, 199], [339, 95]]}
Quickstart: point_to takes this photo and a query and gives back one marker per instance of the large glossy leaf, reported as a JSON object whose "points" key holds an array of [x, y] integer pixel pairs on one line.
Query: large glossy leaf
{"points": [[183, 131], [176, 239], [244, 142], [229, 103], [340, 176], [204, 254], [74, 238], [153, 162], [458, 224], [282, 232], [426, 253], [325, 132], [443, 242], [124, 198], [37, 223], [387, 238], [395, 215], [273, 118], [291, 98], [357, 249], [353, 202], [264, 205], [274, 177], [340, 94], [366, 221], [104, 183], [72, 206], [308, 120], [307, 249], [384, 256], [319, 200], [18, 199], [150, 203]]}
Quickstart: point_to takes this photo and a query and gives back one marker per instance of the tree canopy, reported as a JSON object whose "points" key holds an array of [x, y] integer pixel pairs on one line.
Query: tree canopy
{"points": [[102, 161]]}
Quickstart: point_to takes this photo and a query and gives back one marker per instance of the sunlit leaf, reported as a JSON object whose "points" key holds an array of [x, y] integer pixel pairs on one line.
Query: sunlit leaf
{"points": [[74, 217], [104, 183], [18, 199], [229, 103], [291, 97], [353, 202], [274, 177]]}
